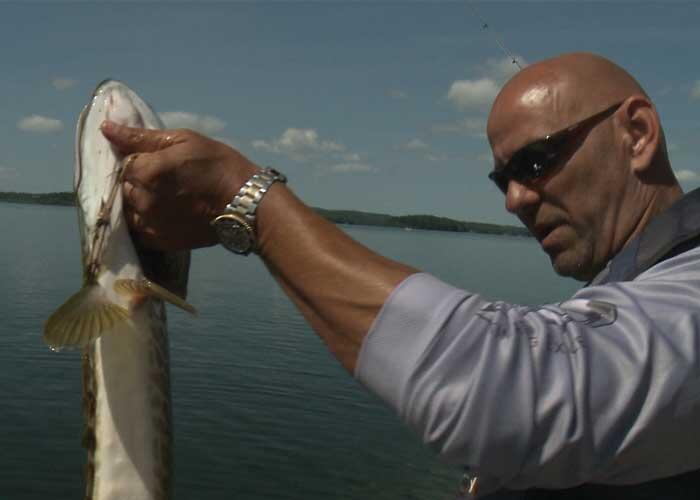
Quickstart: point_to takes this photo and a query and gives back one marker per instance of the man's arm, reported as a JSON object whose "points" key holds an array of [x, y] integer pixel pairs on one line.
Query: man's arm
{"points": [[546, 397], [337, 284]]}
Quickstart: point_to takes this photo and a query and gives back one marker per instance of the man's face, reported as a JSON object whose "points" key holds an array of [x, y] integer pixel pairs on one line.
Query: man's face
{"points": [[574, 209]]}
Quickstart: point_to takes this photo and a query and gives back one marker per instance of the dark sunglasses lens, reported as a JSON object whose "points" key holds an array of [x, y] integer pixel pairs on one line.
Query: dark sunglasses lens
{"points": [[527, 164], [532, 164], [501, 179]]}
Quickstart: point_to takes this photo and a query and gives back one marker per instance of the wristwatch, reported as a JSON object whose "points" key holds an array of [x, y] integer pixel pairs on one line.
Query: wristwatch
{"points": [[236, 226]]}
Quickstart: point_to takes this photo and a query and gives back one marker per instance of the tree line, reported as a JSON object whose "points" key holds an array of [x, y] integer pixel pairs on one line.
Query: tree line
{"points": [[425, 222]]}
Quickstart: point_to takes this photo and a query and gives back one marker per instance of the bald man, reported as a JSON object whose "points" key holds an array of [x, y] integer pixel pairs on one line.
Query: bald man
{"points": [[595, 397], [611, 188]]}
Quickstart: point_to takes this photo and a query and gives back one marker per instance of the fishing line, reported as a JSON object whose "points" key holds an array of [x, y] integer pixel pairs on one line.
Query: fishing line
{"points": [[499, 42]]}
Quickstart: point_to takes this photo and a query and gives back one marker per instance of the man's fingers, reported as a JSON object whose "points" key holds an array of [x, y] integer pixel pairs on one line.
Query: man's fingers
{"points": [[142, 232], [132, 140], [135, 220], [142, 169], [138, 199]]}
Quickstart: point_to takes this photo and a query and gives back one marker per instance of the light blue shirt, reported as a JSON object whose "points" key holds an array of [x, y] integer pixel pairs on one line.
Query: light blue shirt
{"points": [[603, 388]]}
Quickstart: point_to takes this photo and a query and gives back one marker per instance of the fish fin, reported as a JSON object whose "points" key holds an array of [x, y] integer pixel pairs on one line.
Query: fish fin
{"points": [[82, 319], [144, 287]]}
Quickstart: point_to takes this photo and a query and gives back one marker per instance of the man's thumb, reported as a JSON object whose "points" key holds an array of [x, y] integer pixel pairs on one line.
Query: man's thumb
{"points": [[135, 140]]}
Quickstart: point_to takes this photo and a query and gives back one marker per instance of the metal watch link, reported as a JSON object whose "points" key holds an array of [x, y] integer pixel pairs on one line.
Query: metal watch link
{"points": [[236, 226]]}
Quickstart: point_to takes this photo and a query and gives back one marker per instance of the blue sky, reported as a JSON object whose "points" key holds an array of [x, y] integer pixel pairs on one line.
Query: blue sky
{"points": [[377, 106]]}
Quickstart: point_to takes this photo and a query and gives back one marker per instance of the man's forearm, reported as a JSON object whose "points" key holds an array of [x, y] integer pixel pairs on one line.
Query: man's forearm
{"points": [[338, 284]]}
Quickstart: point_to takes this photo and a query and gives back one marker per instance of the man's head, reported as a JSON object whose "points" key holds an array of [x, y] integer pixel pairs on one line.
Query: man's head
{"points": [[598, 181]]}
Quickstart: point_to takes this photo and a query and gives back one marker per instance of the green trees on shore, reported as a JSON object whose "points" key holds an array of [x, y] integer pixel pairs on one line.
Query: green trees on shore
{"points": [[426, 222], [66, 199]]}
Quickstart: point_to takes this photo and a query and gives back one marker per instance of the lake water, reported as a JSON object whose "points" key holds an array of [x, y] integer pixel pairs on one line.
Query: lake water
{"points": [[261, 410]]}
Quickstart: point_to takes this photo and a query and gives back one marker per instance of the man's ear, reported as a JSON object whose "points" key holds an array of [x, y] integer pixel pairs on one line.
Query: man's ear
{"points": [[643, 133]]}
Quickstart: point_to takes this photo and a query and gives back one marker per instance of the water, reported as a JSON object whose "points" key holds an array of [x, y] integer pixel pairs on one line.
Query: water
{"points": [[261, 410]]}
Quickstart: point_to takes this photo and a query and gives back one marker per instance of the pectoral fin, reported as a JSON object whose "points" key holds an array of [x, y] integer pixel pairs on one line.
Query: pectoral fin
{"points": [[146, 287], [82, 319]]}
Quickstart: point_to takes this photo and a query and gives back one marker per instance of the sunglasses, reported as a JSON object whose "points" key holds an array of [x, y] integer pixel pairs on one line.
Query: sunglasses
{"points": [[539, 158]]}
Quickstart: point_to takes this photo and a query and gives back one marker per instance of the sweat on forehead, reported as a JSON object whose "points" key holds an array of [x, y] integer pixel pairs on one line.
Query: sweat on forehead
{"points": [[568, 84]]}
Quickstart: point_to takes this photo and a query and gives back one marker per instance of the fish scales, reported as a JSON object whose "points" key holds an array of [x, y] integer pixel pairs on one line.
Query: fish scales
{"points": [[119, 319]]}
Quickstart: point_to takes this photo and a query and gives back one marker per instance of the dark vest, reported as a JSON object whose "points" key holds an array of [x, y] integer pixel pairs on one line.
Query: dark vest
{"points": [[668, 234]]}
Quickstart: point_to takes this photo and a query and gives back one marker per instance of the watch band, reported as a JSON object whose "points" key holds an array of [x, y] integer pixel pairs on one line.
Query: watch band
{"points": [[246, 202]]}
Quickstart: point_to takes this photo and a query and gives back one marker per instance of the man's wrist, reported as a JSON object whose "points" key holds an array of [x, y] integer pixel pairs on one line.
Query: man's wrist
{"points": [[249, 196], [236, 227]]}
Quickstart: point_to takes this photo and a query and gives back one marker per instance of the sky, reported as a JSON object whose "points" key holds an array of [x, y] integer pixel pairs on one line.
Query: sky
{"points": [[373, 106]]}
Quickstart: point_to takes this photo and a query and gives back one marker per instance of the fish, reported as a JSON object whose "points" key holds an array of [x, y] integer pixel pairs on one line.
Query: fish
{"points": [[118, 317]]}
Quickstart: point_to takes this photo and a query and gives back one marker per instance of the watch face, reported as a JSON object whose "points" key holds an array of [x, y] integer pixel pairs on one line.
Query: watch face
{"points": [[235, 234]]}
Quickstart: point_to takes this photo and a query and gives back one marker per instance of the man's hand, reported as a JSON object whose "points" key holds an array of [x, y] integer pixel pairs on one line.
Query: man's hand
{"points": [[175, 183]]}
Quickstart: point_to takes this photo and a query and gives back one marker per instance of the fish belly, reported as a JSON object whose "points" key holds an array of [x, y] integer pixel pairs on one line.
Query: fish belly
{"points": [[132, 427]]}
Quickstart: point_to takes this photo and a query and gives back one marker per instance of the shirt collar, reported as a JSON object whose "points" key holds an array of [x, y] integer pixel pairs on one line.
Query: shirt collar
{"points": [[677, 227]]}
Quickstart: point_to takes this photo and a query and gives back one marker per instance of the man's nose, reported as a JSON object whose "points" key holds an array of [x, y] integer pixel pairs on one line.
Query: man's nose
{"points": [[521, 198]]}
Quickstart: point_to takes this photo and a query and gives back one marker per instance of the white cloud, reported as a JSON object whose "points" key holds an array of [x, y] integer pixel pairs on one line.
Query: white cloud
{"points": [[7, 173], [262, 145], [302, 144], [472, 94], [423, 150], [306, 145], [436, 157], [414, 145], [695, 91], [473, 127], [344, 168], [502, 68], [665, 90], [687, 175], [40, 124], [479, 93], [294, 139], [206, 124], [397, 94], [63, 83]]}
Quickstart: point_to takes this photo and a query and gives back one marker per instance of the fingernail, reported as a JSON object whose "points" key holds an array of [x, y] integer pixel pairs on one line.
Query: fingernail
{"points": [[108, 126], [128, 187]]}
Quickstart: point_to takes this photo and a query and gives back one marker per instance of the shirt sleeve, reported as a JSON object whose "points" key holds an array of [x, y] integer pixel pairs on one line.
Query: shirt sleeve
{"points": [[604, 387]]}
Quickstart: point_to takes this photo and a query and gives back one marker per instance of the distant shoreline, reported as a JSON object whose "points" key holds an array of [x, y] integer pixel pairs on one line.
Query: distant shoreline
{"points": [[64, 198], [352, 217]]}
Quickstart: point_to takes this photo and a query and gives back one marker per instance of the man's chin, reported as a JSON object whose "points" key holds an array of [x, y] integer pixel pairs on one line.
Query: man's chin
{"points": [[570, 265]]}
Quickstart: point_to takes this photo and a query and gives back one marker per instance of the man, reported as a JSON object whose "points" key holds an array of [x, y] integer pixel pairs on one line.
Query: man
{"points": [[594, 398]]}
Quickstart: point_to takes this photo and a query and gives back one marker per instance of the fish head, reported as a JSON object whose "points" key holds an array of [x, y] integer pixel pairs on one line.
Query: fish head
{"points": [[115, 283], [98, 164]]}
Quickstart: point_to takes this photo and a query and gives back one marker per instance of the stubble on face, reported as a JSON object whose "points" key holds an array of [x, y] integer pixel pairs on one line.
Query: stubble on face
{"points": [[572, 212], [573, 253]]}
